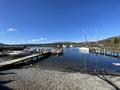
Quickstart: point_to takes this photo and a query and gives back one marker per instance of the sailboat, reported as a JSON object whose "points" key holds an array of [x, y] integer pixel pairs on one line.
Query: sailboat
{"points": [[86, 48]]}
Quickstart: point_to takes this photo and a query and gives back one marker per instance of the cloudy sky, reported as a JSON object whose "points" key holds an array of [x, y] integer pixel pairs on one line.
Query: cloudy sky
{"points": [[44, 21]]}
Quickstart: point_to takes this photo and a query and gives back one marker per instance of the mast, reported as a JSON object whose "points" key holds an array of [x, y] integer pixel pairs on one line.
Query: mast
{"points": [[97, 38], [86, 44]]}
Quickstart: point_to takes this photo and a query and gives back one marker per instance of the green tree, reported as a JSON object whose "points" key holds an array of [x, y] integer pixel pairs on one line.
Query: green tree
{"points": [[115, 41]]}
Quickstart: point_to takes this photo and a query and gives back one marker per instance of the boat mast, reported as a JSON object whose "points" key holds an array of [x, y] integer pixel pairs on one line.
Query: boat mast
{"points": [[97, 38], [86, 44]]}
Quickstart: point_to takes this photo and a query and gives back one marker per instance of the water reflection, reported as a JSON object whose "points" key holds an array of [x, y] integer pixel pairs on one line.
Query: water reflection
{"points": [[57, 54], [73, 60]]}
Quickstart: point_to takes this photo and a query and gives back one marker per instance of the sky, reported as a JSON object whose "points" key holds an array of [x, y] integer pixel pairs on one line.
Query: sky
{"points": [[47, 21]]}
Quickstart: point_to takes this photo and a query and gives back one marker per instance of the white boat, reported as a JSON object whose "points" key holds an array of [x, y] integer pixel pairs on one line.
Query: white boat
{"points": [[71, 46], [17, 53], [64, 46], [57, 51], [116, 64], [84, 49]]}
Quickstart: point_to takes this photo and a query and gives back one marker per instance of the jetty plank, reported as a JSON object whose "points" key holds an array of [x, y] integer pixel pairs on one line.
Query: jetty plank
{"points": [[18, 60]]}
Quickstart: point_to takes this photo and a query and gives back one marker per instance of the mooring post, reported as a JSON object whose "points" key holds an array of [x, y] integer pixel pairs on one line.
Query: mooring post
{"points": [[104, 52], [117, 54], [113, 53]]}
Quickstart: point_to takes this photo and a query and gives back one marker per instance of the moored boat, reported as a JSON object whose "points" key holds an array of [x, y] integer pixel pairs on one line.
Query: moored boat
{"points": [[18, 53], [116, 64], [57, 51], [85, 49]]}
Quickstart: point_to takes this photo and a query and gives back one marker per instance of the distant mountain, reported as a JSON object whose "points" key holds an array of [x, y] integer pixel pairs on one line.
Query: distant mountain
{"points": [[1, 44]]}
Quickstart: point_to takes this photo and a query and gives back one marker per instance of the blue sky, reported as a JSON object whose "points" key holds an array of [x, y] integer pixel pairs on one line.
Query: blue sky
{"points": [[45, 21]]}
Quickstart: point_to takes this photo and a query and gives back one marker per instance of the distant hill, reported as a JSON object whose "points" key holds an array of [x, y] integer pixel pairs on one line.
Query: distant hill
{"points": [[112, 41], [108, 42], [1, 44]]}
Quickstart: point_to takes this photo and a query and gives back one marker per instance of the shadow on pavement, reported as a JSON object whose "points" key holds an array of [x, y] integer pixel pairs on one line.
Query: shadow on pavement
{"points": [[2, 87]]}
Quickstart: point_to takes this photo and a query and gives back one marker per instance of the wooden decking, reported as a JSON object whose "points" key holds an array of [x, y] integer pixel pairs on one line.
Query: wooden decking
{"points": [[18, 60]]}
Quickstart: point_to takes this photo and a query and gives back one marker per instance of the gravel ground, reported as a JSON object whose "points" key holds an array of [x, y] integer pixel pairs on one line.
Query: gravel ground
{"points": [[37, 79]]}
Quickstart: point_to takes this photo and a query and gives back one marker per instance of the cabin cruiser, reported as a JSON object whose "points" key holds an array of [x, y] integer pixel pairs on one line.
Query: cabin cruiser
{"points": [[57, 51]]}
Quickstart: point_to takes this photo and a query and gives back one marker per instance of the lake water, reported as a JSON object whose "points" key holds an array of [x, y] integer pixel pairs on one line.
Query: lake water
{"points": [[73, 60]]}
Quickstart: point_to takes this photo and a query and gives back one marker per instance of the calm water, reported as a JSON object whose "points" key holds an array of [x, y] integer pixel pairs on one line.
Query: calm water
{"points": [[75, 61]]}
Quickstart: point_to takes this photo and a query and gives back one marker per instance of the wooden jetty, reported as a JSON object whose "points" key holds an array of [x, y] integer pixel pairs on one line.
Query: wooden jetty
{"points": [[106, 52], [20, 60]]}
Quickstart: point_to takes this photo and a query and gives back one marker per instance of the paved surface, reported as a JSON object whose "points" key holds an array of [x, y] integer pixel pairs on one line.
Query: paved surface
{"points": [[37, 79]]}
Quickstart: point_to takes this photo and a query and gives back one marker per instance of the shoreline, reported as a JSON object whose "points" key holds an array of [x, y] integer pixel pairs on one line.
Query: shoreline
{"points": [[40, 79]]}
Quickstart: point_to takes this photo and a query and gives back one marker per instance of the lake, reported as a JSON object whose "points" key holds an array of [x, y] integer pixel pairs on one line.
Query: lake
{"points": [[73, 60]]}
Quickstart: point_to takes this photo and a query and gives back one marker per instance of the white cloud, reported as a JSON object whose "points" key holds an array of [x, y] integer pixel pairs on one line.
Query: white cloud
{"points": [[36, 40], [11, 30], [43, 38]]}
